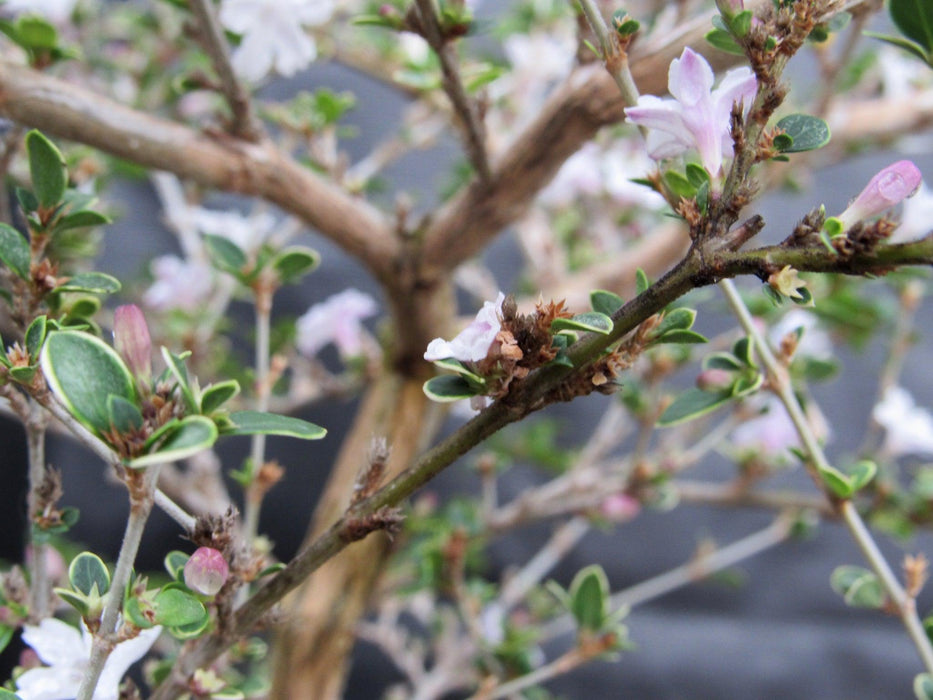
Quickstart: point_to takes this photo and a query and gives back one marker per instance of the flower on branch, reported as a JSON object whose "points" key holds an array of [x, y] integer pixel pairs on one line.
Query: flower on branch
{"points": [[917, 217], [698, 117], [179, 284], [67, 653], [473, 342], [272, 33], [908, 427], [206, 571], [336, 320], [888, 188]]}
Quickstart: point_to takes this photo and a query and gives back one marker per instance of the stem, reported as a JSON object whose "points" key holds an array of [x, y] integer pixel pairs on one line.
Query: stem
{"points": [[142, 496], [614, 57], [39, 584], [255, 492], [244, 120], [863, 538]]}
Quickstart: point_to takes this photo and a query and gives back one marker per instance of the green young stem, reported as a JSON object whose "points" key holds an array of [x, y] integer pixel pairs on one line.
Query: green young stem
{"points": [[257, 455], [140, 506], [778, 377], [39, 584]]}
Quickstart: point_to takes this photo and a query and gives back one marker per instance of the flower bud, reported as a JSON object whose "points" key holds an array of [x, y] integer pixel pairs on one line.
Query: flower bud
{"points": [[206, 571], [715, 380], [619, 507], [891, 186], [131, 339]]}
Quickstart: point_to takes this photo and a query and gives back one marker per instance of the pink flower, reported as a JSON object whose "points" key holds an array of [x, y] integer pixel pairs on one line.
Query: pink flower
{"points": [[908, 427], [131, 340], [619, 507], [698, 117], [891, 186], [206, 571], [179, 284], [336, 320], [473, 342]]}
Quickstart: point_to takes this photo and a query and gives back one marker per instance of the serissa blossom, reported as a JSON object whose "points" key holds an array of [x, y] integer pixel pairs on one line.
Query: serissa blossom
{"points": [[179, 284], [67, 652], [698, 117], [473, 342], [273, 37], [336, 320], [888, 188], [908, 427], [917, 217]]}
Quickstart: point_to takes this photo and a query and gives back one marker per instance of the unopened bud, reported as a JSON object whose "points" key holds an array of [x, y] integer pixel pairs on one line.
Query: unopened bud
{"points": [[886, 189], [715, 380], [132, 342], [206, 571]]}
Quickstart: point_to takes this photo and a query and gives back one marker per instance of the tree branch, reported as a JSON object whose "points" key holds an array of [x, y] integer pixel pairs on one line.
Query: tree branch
{"points": [[67, 111]]}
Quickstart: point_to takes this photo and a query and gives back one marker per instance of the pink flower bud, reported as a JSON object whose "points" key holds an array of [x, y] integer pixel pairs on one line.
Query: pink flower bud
{"points": [[131, 339], [206, 571], [619, 507], [715, 380], [888, 188]]}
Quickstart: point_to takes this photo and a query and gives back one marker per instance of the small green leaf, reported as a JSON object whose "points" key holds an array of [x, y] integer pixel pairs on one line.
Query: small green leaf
{"points": [[861, 474], [176, 366], [216, 395], [35, 336], [914, 18], [35, 33], [27, 200], [81, 219], [605, 302], [23, 375], [6, 634], [125, 416], [88, 571], [923, 686], [75, 600], [191, 631], [641, 281], [679, 185], [807, 132], [592, 321], [454, 365], [693, 403], [93, 282], [901, 43], [748, 383], [742, 349], [838, 483], [681, 337], [858, 586], [257, 422], [225, 254], [291, 264], [676, 319], [14, 251], [722, 360], [697, 175], [174, 607], [448, 387], [83, 372], [741, 23], [175, 564], [724, 41], [192, 435], [589, 598], [47, 169]]}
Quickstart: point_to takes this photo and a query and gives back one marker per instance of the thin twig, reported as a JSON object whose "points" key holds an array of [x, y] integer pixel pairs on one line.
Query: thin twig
{"points": [[39, 584], [465, 108], [244, 122]]}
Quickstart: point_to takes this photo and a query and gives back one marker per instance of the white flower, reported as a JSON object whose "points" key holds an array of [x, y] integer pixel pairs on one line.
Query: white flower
{"points": [[248, 232], [272, 34], [908, 428], [67, 653], [698, 117], [815, 342], [179, 284], [336, 320], [57, 11], [473, 342], [917, 218], [772, 432]]}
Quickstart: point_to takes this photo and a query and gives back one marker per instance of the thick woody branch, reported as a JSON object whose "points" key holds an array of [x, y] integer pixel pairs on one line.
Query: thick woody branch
{"points": [[64, 110]]}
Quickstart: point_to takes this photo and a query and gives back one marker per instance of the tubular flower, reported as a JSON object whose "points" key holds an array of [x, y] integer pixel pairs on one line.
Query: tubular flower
{"points": [[888, 188], [336, 320], [698, 117], [473, 342]]}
